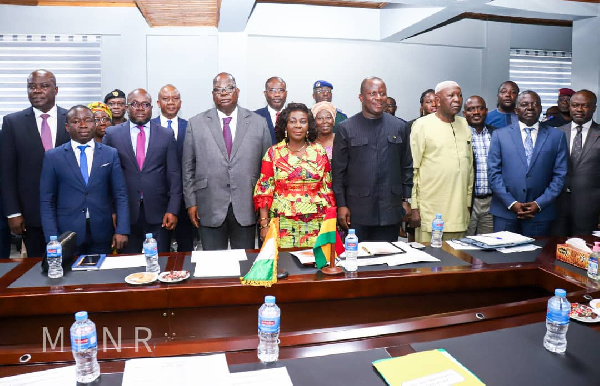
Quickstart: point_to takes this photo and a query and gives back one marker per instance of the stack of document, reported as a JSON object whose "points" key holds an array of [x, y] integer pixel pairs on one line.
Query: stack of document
{"points": [[218, 263], [497, 240]]}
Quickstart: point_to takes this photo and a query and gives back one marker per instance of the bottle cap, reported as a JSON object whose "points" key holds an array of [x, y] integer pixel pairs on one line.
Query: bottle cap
{"points": [[439, 215], [351, 231], [53, 237], [148, 235], [269, 299], [81, 315], [561, 293], [596, 246]]}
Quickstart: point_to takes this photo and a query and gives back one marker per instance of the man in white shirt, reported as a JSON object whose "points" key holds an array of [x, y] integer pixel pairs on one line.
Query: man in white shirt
{"points": [[81, 183], [275, 94], [26, 136]]}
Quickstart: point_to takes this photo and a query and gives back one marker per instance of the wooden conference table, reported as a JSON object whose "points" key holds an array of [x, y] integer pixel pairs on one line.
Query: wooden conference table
{"points": [[380, 307]]}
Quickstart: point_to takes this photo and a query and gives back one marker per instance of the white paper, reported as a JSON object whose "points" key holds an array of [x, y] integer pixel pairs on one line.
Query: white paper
{"points": [[501, 238], [461, 246], [269, 377], [53, 377], [216, 267], [305, 256], [370, 248], [412, 255], [195, 370], [519, 248], [367, 261], [234, 254], [596, 233], [115, 262], [446, 377]]}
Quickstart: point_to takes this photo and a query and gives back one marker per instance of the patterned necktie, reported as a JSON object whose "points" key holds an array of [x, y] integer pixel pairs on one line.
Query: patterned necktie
{"points": [[528, 145], [576, 149], [45, 133], [140, 149], [227, 135], [83, 164]]}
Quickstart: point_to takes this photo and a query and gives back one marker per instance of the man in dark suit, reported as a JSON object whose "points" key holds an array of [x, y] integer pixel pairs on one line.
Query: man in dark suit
{"points": [[26, 135], [579, 202], [169, 102], [148, 154], [81, 182], [222, 156], [276, 94], [481, 219], [372, 168], [527, 166]]}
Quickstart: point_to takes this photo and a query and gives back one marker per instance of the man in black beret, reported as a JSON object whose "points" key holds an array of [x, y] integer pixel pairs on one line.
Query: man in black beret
{"points": [[116, 101]]}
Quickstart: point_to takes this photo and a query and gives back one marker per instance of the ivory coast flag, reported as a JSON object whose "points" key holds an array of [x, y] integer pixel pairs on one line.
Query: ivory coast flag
{"points": [[327, 237], [264, 269]]}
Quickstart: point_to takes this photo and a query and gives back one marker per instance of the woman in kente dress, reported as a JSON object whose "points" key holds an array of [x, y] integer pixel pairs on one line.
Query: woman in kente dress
{"points": [[295, 180]]}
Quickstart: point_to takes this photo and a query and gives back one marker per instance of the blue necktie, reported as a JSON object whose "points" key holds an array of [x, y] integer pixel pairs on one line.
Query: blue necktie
{"points": [[528, 145], [83, 166], [169, 124]]}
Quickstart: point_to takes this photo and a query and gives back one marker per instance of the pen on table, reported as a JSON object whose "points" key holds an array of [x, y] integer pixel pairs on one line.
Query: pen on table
{"points": [[366, 250], [492, 237]]}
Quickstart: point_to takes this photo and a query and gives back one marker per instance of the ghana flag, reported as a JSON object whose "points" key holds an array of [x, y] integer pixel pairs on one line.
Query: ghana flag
{"points": [[327, 237], [264, 269]]}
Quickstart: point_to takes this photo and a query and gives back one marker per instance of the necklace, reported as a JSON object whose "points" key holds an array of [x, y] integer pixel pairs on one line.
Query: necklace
{"points": [[295, 151]]}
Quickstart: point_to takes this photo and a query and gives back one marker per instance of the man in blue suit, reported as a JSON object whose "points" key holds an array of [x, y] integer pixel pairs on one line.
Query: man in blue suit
{"points": [[169, 102], [148, 154], [81, 183], [527, 166], [275, 94]]}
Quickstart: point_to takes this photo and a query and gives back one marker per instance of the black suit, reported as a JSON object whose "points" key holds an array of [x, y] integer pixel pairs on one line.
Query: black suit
{"points": [[579, 201], [22, 156], [264, 112]]}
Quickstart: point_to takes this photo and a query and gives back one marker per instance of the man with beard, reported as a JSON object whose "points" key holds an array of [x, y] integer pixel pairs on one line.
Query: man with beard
{"points": [[504, 115], [276, 94], [443, 166], [148, 154], [563, 103], [527, 165]]}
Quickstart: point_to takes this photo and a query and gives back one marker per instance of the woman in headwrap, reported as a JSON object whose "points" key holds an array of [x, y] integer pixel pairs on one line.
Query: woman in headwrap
{"points": [[103, 117], [324, 113]]}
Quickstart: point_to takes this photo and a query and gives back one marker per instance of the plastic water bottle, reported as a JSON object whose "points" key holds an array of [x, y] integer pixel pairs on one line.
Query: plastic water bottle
{"points": [[437, 231], [151, 252], [557, 322], [269, 316], [351, 251], [84, 344], [592, 269], [54, 258]]}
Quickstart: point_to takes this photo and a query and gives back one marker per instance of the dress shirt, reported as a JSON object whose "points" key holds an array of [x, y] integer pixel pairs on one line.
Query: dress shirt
{"points": [[534, 132], [481, 147], [232, 123], [174, 124], [134, 131], [52, 121], [89, 153], [584, 132], [273, 114]]}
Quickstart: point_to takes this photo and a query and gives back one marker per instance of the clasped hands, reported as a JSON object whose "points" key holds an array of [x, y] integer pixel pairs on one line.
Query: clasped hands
{"points": [[525, 210]]}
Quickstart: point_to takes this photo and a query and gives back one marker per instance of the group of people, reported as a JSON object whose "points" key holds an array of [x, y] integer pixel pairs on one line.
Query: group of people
{"points": [[227, 171]]}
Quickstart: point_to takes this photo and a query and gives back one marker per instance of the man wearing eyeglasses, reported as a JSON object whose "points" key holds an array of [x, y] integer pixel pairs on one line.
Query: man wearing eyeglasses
{"points": [[152, 170], [118, 106], [323, 91], [222, 156], [276, 94]]}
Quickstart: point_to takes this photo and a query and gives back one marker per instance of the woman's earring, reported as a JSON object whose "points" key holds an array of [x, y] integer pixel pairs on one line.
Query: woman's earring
{"points": [[286, 133]]}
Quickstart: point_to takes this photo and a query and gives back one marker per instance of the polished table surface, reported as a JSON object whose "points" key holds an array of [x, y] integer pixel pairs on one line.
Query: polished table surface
{"points": [[389, 307]]}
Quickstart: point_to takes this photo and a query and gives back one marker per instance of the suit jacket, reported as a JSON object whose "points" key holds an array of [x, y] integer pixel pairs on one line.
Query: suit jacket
{"points": [[22, 155], [583, 180], [264, 112], [181, 127], [373, 198], [64, 196], [511, 180], [160, 177], [211, 180]]}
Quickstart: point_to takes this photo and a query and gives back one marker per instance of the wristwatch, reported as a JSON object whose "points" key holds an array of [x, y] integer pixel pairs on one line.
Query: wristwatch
{"points": [[408, 200]]}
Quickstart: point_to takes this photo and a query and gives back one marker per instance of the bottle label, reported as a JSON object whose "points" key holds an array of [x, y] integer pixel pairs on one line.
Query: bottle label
{"points": [[266, 324], [84, 342], [593, 267], [559, 316], [54, 251], [151, 249], [351, 246]]}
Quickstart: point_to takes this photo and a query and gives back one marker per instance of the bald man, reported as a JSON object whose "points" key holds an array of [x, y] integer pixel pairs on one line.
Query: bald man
{"points": [[443, 166]]}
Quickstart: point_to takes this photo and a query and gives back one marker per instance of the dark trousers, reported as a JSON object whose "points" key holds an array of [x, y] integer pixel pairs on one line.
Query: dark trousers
{"points": [[525, 227], [89, 245], [4, 238], [184, 231], [138, 234], [376, 232], [571, 223], [216, 238], [35, 241]]}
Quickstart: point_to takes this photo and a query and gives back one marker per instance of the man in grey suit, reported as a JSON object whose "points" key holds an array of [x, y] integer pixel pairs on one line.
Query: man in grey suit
{"points": [[579, 201], [222, 155]]}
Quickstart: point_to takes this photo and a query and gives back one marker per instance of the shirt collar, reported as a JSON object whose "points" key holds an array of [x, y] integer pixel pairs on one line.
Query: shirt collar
{"points": [[222, 114], [165, 119], [135, 125], [523, 126], [271, 110], [474, 130], [75, 144], [585, 126], [53, 112]]}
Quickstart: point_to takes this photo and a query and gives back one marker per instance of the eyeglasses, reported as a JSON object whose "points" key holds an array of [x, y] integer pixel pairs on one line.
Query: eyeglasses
{"points": [[144, 105], [226, 90], [323, 91], [274, 90], [116, 104], [102, 120]]}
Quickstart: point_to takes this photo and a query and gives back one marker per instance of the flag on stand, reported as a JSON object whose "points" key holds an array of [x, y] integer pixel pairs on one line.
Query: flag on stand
{"points": [[264, 269], [327, 237]]}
